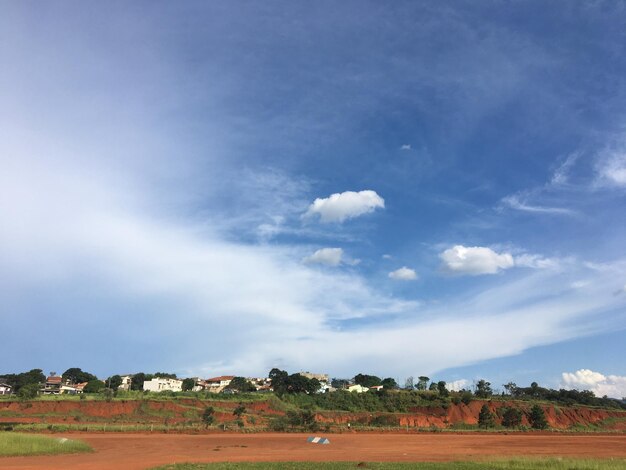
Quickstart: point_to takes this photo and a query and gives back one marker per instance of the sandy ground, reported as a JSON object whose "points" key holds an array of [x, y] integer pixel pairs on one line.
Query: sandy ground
{"points": [[140, 451]]}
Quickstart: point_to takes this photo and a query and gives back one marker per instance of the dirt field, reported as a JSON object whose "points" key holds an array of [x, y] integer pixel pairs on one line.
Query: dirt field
{"points": [[140, 451]]}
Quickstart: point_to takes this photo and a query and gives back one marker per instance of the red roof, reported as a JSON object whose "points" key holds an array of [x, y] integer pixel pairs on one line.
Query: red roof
{"points": [[54, 380], [221, 378]]}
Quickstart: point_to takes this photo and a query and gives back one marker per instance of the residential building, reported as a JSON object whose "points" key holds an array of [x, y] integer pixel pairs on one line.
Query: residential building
{"points": [[5, 389], [162, 384], [357, 388], [53, 385], [126, 382], [217, 384]]}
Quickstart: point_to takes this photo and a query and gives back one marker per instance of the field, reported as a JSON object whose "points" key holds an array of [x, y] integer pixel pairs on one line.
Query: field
{"points": [[142, 451], [14, 444]]}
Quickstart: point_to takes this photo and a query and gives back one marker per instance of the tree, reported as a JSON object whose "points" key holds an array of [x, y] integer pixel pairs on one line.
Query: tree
{"points": [[366, 380], [114, 382], [511, 388], [137, 381], [94, 386], [433, 387], [408, 383], [466, 397], [165, 375], [483, 389], [389, 383], [188, 384], [511, 418], [441, 388], [485, 417], [537, 418], [208, 416], [422, 382], [239, 410], [279, 380], [241, 384], [339, 383], [76, 375], [28, 391]]}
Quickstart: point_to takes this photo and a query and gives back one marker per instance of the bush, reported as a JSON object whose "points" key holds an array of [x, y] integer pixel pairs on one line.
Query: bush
{"points": [[537, 418], [28, 391], [485, 417]]}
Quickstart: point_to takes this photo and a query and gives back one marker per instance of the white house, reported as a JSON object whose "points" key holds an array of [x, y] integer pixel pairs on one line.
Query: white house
{"points": [[357, 388], [160, 384], [5, 389], [126, 382], [217, 384]]}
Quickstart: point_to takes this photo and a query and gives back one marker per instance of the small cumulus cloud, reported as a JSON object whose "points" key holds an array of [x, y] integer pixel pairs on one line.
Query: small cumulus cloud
{"points": [[403, 274], [457, 385], [406, 147], [339, 207], [330, 257], [613, 386], [475, 260], [386, 256]]}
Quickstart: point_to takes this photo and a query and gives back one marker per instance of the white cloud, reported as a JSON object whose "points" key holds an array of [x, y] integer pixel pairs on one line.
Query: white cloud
{"points": [[515, 202], [406, 147], [386, 256], [536, 262], [339, 207], [403, 274], [457, 385], [613, 386], [612, 169], [475, 260], [327, 256]]}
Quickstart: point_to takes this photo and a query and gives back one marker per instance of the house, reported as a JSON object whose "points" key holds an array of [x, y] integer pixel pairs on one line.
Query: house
{"points": [[322, 378], [162, 384], [377, 388], [5, 389], [67, 389], [357, 388], [53, 385], [126, 382], [217, 384]]}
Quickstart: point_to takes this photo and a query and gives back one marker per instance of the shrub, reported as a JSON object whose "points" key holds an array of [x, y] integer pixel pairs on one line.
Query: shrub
{"points": [[537, 418], [485, 417], [512, 417]]}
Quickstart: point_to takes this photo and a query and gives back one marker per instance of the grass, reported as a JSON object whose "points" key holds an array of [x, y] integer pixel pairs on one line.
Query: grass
{"points": [[514, 464], [13, 444]]}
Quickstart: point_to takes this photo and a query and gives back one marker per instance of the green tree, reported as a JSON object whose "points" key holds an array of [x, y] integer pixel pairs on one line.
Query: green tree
{"points": [[188, 384], [76, 375], [94, 386], [409, 384], [137, 381], [279, 381], [485, 417], [422, 382], [537, 418], [367, 380], [483, 389], [511, 388], [239, 410], [28, 391], [241, 384], [433, 387], [389, 383], [339, 383], [441, 388], [208, 416], [511, 418], [114, 382], [165, 375], [466, 397]]}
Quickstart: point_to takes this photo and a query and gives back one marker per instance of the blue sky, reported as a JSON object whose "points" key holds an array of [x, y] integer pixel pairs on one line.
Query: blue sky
{"points": [[401, 188]]}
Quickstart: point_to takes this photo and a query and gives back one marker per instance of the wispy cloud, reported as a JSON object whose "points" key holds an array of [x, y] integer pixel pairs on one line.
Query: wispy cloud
{"points": [[518, 202]]}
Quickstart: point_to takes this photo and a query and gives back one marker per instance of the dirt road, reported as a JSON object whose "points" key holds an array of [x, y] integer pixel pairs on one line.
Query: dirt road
{"points": [[140, 451]]}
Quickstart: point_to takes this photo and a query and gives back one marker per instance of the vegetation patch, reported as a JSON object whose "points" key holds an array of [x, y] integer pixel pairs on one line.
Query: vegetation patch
{"points": [[515, 464], [14, 444]]}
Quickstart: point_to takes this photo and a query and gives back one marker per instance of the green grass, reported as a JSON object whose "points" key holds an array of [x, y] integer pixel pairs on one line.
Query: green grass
{"points": [[515, 464], [13, 444]]}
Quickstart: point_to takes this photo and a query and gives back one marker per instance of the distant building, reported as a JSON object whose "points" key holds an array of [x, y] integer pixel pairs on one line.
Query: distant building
{"points": [[357, 388], [322, 378], [5, 389], [53, 385], [161, 384], [217, 384], [126, 382]]}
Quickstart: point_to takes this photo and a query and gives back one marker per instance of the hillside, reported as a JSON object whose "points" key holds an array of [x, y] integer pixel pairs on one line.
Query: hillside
{"points": [[185, 415]]}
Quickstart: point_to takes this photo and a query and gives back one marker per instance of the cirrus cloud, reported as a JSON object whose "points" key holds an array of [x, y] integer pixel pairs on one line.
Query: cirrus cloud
{"points": [[475, 260], [339, 207]]}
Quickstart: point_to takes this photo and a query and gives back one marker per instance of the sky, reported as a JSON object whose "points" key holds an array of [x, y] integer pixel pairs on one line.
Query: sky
{"points": [[393, 188]]}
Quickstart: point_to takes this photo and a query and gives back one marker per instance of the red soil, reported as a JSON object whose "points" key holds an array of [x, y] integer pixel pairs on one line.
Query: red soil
{"points": [[140, 451]]}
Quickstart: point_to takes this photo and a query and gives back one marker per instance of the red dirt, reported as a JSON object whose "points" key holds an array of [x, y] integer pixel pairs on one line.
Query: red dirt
{"points": [[141, 451]]}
